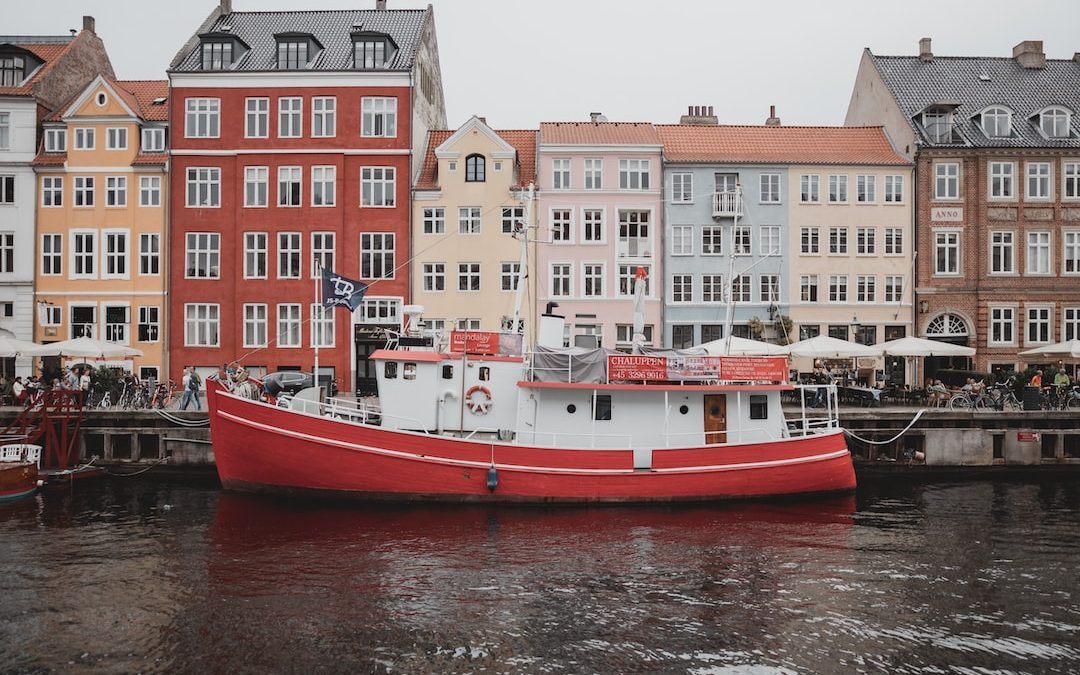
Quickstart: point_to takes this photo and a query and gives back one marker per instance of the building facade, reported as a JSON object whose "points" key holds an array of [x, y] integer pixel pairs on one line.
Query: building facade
{"points": [[102, 201], [997, 149], [469, 202], [600, 215], [37, 76], [293, 150]]}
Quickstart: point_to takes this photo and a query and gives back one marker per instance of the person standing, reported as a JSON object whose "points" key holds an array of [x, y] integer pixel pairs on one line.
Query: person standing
{"points": [[84, 380], [195, 384], [185, 383]]}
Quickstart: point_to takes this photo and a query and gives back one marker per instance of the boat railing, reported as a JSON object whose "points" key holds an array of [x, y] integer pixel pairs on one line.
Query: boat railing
{"points": [[819, 410], [560, 439]]}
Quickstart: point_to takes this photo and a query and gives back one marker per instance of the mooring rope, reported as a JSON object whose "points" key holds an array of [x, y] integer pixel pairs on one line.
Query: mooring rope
{"points": [[182, 422], [136, 473], [906, 429]]}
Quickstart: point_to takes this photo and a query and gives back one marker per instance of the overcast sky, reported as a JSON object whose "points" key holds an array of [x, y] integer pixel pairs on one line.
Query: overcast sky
{"points": [[519, 62]]}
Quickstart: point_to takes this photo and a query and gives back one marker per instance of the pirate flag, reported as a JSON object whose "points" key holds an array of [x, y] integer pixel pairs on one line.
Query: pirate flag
{"points": [[337, 291]]}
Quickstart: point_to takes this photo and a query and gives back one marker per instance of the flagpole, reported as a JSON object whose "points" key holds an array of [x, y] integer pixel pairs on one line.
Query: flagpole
{"points": [[317, 326]]}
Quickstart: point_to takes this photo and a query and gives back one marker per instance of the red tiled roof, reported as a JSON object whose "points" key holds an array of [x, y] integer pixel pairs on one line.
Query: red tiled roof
{"points": [[145, 92], [777, 144], [150, 158], [523, 140], [49, 52], [598, 133], [51, 159]]}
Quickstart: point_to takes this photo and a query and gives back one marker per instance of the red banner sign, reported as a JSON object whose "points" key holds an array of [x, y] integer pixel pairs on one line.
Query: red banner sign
{"points": [[697, 368], [474, 342], [1027, 436]]}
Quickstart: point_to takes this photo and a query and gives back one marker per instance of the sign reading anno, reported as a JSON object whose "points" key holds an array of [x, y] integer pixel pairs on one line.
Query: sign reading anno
{"points": [[947, 214]]}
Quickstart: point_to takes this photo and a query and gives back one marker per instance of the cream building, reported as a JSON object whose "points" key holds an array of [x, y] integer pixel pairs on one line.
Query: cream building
{"points": [[467, 202]]}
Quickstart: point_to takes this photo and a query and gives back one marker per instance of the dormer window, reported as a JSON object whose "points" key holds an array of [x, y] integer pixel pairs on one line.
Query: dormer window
{"points": [[1054, 122], [996, 122], [475, 169], [12, 70], [938, 125], [372, 50], [296, 51], [221, 50]]}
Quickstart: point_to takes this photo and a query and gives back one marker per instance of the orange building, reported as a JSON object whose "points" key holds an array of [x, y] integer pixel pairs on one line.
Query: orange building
{"points": [[101, 259]]}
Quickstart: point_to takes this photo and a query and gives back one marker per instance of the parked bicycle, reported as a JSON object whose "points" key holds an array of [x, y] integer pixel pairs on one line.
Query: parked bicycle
{"points": [[1003, 396]]}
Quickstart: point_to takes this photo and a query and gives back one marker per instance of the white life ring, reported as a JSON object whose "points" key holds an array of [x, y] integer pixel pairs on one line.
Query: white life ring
{"points": [[478, 405]]}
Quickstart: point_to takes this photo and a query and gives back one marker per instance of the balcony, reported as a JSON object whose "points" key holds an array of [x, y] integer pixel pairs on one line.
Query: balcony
{"points": [[726, 204], [634, 247]]}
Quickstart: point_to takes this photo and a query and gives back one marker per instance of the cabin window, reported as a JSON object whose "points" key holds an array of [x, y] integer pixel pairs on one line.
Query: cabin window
{"points": [[602, 407], [448, 372], [485, 373], [571, 408], [390, 370], [683, 409], [409, 372], [759, 407]]}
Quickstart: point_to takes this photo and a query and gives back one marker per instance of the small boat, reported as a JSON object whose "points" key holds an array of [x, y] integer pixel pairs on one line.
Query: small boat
{"points": [[18, 472]]}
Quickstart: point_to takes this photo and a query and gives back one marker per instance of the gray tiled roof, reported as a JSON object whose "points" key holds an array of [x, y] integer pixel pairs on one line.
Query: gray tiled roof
{"points": [[332, 28], [915, 84]]}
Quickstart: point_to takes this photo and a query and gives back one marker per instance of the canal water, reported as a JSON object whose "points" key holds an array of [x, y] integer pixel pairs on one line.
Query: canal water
{"points": [[139, 576]]}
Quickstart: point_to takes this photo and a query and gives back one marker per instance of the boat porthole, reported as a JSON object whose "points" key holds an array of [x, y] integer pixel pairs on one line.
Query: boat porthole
{"points": [[684, 409], [571, 408], [715, 411]]}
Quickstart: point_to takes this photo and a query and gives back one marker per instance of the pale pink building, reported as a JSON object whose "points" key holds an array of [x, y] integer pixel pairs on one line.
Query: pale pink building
{"points": [[599, 214]]}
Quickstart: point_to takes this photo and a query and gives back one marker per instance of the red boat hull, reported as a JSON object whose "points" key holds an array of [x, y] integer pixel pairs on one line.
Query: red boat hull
{"points": [[261, 448], [17, 480]]}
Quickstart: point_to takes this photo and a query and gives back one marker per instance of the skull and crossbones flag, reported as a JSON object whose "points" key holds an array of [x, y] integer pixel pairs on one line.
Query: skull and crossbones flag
{"points": [[338, 291]]}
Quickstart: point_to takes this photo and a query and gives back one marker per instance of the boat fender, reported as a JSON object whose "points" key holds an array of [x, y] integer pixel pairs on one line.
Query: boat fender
{"points": [[492, 479], [478, 405]]}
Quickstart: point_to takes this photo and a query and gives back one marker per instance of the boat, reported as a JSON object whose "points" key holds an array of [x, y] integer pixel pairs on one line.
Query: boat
{"points": [[18, 472]]}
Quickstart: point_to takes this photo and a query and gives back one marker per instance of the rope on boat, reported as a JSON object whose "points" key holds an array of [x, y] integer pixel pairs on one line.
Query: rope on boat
{"points": [[136, 473], [906, 429], [182, 422]]}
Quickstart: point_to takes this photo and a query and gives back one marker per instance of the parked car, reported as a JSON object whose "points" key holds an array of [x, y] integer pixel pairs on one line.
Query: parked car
{"points": [[291, 382]]}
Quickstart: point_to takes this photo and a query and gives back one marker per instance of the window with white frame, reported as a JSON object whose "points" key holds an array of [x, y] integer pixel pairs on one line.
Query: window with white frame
{"points": [[149, 327], [149, 254], [202, 325], [255, 255], [509, 273], [469, 220], [682, 240], [628, 277], [682, 288], [7, 190], [257, 118], [52, 254], [593, 280], [322, 252], [84, 138], [5, 130], [865, 288], [290, 117], [838, 288], [712, 287], [55, 139], [289, 185], [742, 240], [838, 188], [116, 323], [808, 288], [594, 170], [1038, 325], [323, 116], [378, 186], [1070, 323], [634, 234], [1054, 122], [378, 117], [255, 325], [769, 184], [838, 241], [769, 287], [996, 122], [52, 191], [946, 253], [894, 288], [1038, 180], [255, 186], [633, 174], [153, 139], [467, 324], [433, 275], [1002, 252], [560, 174], [894, 189], [322, 325], [561, 279], [946, 180], [741, 287], [116, 255], [469, 277], [810, 188], [1070, 172], [810, 240], [288, 325], [7, 252], [513, 219], [203, 187], [202, 118], [712, 240], [770, 240], [84, 191], [323, 185], [592, 225], [562, 226], [377, 255], [624, 335], [385, 311], [894, 241], [116, 138], [865, 189], [1071, 252], [865, 241], [1002, 180], [290, 255], [434, 220], [115, 191], [1038, 253], [83, 254], [202, 255], [682, 188], [1002, 325], [149, 190]]}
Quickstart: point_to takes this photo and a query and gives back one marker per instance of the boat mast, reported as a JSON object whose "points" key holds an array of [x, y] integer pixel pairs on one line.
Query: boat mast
{"points": [[639, 309], [522, 231], [730, 285]]}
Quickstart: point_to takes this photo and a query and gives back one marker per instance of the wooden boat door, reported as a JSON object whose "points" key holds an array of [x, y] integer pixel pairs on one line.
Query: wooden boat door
{"points": [[715, 418]]}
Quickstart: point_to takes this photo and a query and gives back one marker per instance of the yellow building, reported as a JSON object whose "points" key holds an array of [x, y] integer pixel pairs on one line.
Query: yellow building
{"points": [[101, 262]]}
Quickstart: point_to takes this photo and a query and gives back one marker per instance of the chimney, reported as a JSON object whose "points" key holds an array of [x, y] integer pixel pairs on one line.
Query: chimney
{"points": [[773, 120], [88, 24], [1029, 54], [594, 117], [380, 4], [924, 50], [225, 6], [482, 119], [699, 114]]}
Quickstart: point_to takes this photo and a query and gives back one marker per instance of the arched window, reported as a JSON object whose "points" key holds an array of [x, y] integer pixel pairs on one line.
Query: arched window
{"points": [[474, 169], [996, 122], [1054, 122], [946, 325]]}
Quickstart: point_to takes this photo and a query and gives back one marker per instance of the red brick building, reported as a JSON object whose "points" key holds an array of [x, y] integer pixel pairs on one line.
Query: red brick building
{"points": [[295, 138], [997, 150]]}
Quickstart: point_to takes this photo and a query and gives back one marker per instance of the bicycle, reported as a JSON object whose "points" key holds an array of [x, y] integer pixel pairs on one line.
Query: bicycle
{"points": [[163, 396], [1003, 397]]}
